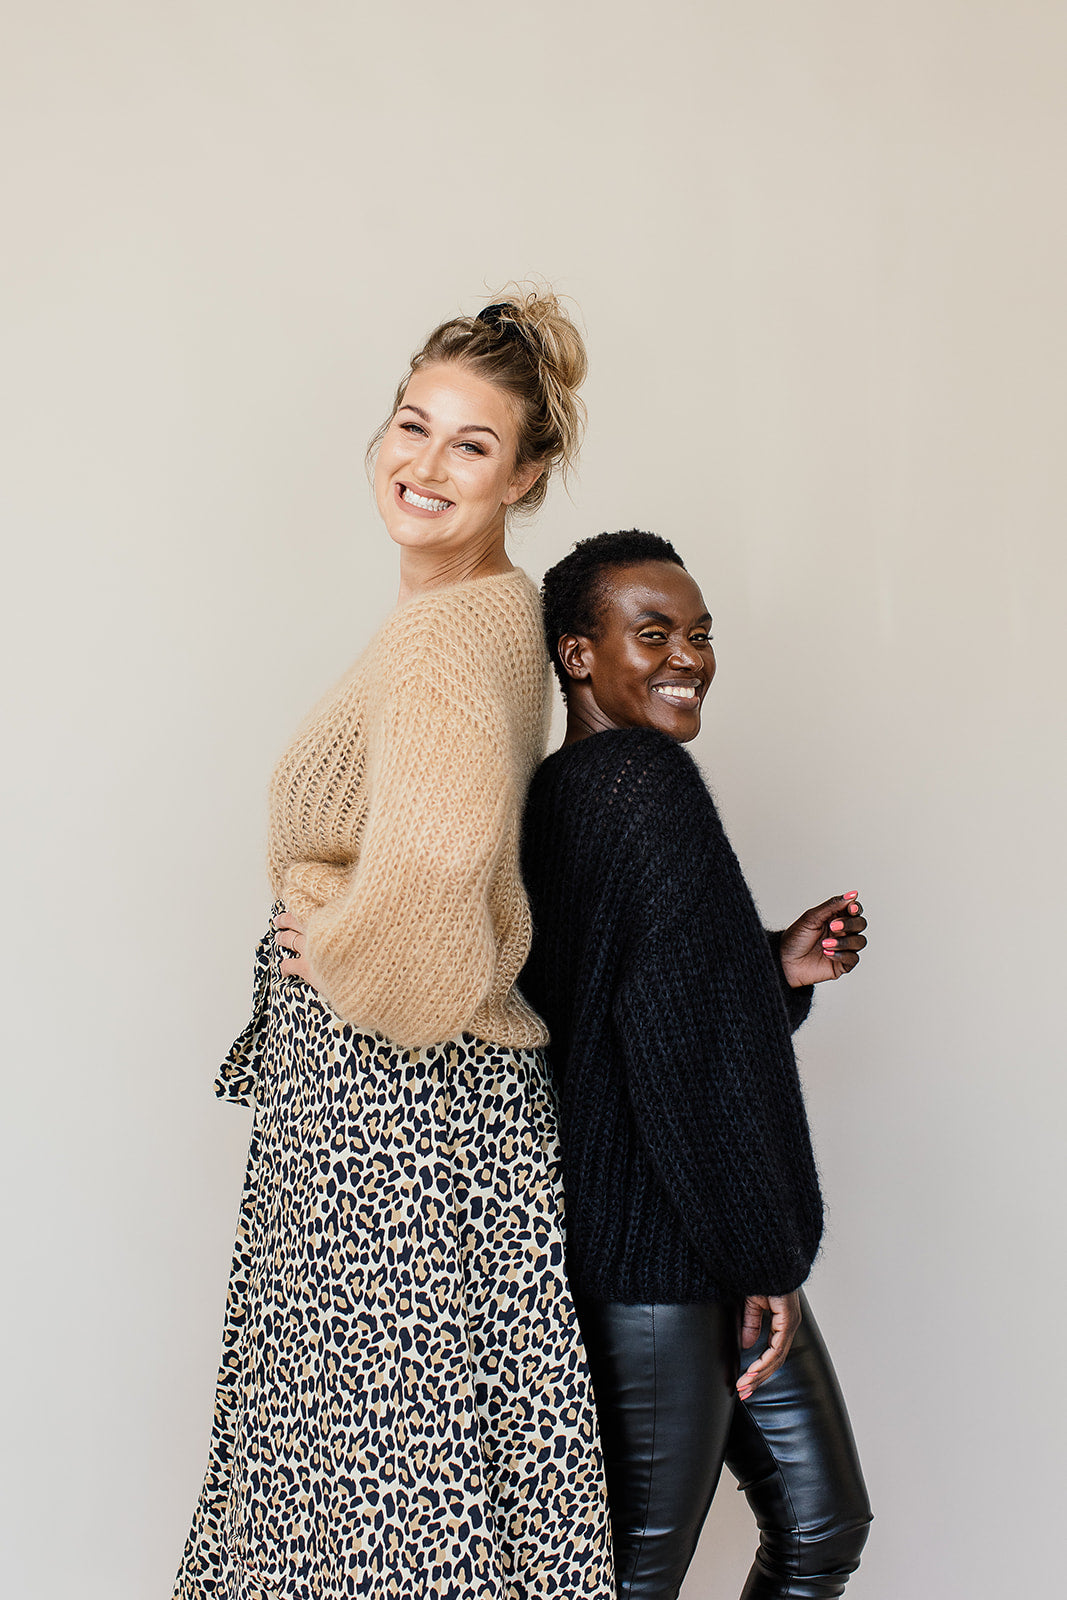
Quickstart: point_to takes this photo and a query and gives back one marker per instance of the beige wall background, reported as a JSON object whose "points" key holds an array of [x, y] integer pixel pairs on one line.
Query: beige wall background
{"points": [[820, 252]]}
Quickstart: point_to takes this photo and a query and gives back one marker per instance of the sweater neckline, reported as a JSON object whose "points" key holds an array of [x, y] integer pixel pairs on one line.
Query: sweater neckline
{"points": [[656, 735], [464, 583]]}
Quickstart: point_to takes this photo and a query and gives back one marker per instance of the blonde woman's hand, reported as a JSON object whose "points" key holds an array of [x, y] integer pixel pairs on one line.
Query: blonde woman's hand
{"points": [[824, 942], [785, 1317], [290, 935]]}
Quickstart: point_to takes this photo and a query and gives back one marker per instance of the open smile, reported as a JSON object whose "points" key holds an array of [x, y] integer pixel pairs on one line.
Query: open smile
{"points": [[425, 504], [685, 694]]}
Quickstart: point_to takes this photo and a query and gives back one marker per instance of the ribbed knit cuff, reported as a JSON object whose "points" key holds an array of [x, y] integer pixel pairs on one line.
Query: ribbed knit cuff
{"points": [[797, 1001]]}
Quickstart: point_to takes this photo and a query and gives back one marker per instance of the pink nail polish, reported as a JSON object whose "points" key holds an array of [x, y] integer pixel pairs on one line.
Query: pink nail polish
{"points": [[829, 944], [837, 927]]}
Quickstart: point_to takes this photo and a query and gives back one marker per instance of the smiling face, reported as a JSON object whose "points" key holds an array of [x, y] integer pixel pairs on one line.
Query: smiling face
{"points": [[651, 661], [445, 473]]}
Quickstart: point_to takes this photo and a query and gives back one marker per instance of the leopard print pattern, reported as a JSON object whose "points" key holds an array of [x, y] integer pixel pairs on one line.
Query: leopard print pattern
{"points": [[402, 1407]]}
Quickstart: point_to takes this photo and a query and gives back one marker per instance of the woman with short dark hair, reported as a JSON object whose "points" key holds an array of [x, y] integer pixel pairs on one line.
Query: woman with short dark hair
{"points": [[692, 1199]]}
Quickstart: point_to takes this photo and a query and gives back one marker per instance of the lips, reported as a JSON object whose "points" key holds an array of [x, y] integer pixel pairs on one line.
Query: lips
{"points": [[417, 501], [687, 694]]}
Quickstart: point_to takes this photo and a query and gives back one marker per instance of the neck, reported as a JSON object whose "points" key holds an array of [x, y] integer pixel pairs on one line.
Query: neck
{"points": [[423, 570], [584, 716]]}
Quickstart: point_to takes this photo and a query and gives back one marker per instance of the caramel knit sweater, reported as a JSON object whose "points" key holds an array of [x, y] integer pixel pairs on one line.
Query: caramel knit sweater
{"points": [[395, 818]]}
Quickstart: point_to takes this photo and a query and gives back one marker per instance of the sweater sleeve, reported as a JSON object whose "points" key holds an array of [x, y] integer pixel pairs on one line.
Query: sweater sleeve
{"points": [[441, 781], [797, 1001], [701, 1028]]}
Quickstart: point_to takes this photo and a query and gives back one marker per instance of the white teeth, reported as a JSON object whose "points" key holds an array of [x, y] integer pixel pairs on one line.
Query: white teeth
{"points": [[676, 691], [422, 502]]}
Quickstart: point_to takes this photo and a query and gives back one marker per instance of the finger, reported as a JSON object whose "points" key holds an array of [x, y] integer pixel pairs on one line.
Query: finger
{"points": [[847, 924], [768, 1361], [286, 920], [751, 1323], [835, 949], [844, 961], [818, 915], [764, 1367]]}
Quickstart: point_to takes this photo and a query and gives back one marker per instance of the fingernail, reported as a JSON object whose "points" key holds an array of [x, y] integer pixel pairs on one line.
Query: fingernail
{"points": [[850, 894], [837, 927], [745, 1394], [829, 944]]}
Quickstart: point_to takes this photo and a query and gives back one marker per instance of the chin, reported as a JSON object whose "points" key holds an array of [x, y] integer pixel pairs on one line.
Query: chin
{"points": [[680, 726], [412, 535]]}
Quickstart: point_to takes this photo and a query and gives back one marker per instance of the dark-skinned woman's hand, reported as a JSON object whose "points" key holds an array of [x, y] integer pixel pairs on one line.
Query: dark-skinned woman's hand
{"points": [[290, 934], [825, 942], [785, 1320]]}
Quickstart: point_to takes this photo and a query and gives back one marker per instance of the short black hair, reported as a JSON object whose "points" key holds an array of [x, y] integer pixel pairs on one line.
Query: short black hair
{"points": [[573, 590]]}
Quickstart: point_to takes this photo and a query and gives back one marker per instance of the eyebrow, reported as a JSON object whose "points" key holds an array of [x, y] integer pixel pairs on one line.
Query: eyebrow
{"points": [[471, 427], [658, 616]]}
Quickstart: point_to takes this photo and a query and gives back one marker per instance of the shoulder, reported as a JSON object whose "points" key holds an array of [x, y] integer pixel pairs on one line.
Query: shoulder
{"points": [[499, 602], [627, 768], [474, 649], [629, 793], [484, 627]]}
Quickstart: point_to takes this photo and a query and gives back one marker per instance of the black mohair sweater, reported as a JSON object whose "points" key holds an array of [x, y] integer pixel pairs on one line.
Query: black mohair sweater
{"points": [[687, 1164]]}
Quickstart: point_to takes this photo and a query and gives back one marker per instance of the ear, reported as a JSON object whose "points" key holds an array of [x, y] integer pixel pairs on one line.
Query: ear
{"points": [[523, 482], [576, 654]]}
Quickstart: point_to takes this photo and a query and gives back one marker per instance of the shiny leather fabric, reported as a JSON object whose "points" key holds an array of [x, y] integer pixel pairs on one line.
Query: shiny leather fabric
{"points": [[669, 1417]]}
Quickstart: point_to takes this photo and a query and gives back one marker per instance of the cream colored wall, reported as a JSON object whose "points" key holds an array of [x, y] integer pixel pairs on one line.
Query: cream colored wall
{"points": [[820, 251]]}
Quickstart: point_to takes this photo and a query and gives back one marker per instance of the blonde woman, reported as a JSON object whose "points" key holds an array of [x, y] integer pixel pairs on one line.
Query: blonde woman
{"points": [[403, 1407]]}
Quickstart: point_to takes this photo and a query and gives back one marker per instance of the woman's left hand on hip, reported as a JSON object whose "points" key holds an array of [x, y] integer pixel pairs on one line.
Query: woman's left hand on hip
{"points": [[290, 935]]}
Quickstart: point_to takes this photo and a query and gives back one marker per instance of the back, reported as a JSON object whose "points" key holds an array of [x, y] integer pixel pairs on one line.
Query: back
{"points": [[687, 1164]]}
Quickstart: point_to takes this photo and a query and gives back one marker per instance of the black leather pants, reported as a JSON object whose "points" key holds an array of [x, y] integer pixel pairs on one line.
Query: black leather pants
{"points": [[669, 1416]]}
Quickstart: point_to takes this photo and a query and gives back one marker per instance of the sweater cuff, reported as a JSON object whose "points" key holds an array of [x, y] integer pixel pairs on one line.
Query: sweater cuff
{"points": [[797, 1001]]}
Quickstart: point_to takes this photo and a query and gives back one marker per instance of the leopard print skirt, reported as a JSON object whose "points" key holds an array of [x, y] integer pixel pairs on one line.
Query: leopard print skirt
{"points": [[403, 1408]]}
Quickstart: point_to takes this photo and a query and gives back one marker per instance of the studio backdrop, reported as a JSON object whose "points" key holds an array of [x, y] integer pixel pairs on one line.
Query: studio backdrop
{"points": [[819, 251]]}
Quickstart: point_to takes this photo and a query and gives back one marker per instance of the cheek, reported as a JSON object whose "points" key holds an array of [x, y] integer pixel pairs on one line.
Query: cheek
{"points": [[382, 469], [484, 481], [389, 451]]}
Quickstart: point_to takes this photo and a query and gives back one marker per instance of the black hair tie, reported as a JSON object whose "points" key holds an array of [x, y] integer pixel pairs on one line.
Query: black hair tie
{"points": [[504, 327]]}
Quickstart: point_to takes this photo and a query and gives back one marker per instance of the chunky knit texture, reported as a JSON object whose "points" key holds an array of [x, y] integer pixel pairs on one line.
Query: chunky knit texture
{"points": [[395, 817], [687, 1164]]}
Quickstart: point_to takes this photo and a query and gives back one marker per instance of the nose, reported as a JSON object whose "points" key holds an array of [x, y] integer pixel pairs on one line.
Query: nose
{"points": [[430, 461], [685, 656]]}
